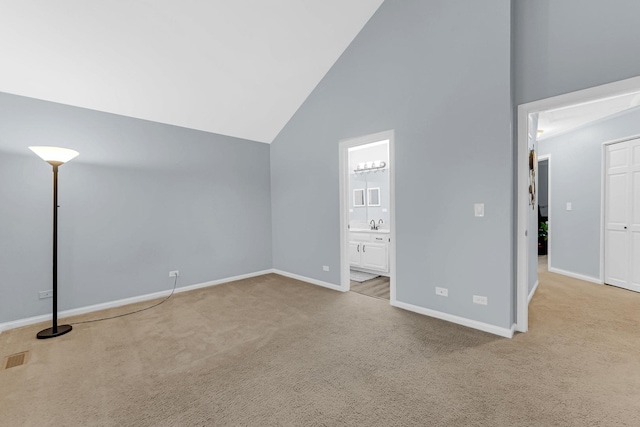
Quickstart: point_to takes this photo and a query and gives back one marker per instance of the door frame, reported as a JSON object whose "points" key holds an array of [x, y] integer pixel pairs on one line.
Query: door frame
{"points": [[603, 185], [546, 158], [522, 176], [344, 146]]}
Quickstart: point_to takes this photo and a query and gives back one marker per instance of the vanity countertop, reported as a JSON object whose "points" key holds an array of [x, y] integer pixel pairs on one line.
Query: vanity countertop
{"points": [[368, 230]]}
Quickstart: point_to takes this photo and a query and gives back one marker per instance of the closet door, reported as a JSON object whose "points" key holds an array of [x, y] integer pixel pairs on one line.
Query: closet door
{"points": [[622, 215], [634, 214]]}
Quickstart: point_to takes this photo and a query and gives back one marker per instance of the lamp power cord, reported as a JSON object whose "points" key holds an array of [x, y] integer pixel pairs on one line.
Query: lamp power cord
{"points": [[175, 282]]}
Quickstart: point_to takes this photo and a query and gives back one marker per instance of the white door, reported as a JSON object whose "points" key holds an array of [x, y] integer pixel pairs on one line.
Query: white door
{"points": [[374, 256], [634, 206], [622, 215]]}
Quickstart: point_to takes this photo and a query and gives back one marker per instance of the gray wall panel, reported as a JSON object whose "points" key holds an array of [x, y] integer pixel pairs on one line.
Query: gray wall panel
{"points": [[566, 45], [438, 74], [142, 199]]}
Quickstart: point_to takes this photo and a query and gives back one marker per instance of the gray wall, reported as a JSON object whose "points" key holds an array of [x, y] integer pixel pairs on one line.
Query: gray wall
{"points": [[576, 177], [561, 46], [142, 199], [438, 73]]}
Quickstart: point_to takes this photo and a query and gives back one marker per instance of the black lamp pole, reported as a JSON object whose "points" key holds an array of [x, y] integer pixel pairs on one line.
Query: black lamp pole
{"points": [[55, 330]]}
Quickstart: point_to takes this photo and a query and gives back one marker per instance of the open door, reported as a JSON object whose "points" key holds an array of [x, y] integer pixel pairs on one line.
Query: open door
{"points": [[622, 215]]}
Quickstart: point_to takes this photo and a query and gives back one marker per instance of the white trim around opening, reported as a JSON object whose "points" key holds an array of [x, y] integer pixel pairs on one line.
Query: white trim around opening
{"points": [[344, 146], [582, 96]]}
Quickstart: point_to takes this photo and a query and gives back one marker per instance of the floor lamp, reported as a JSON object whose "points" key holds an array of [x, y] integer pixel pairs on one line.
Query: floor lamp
{"points": [[55, 156]]}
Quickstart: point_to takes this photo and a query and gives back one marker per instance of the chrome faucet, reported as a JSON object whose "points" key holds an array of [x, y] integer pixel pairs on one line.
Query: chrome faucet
{"points": [[373, 224], [379, 222]]}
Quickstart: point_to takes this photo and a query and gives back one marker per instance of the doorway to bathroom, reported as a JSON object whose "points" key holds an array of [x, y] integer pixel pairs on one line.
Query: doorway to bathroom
{"points": [[367, 227]]}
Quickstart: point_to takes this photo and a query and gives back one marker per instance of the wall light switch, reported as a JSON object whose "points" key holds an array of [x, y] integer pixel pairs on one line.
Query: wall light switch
{"points": [[569, 207], [479, 299], [325, 268], [478, 209], [384, 209]]}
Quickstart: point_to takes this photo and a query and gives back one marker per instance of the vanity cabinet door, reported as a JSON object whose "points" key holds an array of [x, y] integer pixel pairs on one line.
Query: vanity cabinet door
{"points": [[375, 256], [355, 249]]}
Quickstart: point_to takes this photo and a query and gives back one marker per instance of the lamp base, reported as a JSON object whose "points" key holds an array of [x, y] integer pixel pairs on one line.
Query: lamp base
{"points": [[48, 333]]}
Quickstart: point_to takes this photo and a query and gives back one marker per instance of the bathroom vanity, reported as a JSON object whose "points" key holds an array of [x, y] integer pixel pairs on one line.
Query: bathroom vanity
{"points": [[369, 250]]}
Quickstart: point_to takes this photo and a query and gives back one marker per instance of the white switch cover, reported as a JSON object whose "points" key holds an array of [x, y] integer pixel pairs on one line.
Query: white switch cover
{"points": [[478, 208], [384, 209], [569, 207], [477, 299], [351, 210], [325, 268]]}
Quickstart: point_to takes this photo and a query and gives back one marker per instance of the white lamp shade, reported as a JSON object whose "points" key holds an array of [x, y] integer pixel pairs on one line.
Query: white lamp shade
{"points": [[54, 154]]}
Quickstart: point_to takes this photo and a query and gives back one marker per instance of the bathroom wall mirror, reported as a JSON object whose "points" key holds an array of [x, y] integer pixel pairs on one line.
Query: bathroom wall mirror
{"points": [[373, 196], [358, 197]]}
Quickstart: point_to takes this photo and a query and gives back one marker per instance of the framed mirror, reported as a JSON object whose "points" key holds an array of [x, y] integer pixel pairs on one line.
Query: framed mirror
{"points": [[358, 197], [373, 196]]}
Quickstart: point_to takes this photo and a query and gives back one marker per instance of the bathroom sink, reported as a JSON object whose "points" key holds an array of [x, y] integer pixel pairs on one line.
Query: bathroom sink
{"points": [[368, 230]]}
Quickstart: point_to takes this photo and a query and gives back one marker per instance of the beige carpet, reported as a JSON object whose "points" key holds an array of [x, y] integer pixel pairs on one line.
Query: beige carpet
{"points": [[378, 287], [271, 351]]}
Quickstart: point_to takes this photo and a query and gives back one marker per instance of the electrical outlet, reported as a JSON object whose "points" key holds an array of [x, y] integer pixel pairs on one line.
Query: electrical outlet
{"points": [[443, 292], [325, 268], [45, 294], [477, 299], [478, 209], [174, 273]]}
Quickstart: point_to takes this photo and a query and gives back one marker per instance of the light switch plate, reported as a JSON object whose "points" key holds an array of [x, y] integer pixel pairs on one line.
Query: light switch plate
{"points": [[478, 209], [569, 207], [478, 299]]}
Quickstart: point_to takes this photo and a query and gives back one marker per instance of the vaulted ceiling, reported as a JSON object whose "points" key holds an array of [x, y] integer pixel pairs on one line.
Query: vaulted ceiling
{"points": [[234, 67]]}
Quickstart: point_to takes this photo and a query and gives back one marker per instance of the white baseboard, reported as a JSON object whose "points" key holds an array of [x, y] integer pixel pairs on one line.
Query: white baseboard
{"points": [[492, 329], [118, 303], [309, 280], [575, 275], [533, 291]]}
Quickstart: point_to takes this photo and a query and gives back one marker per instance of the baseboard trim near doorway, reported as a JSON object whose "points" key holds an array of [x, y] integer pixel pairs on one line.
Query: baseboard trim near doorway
{"points": [[308, 280], [486, 327], [533, 291], [575, 275], [126, 301]]}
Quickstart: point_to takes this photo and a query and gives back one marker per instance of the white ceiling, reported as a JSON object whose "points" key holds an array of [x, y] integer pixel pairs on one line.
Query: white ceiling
{"points": [[234, 67], [560, 120]]}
